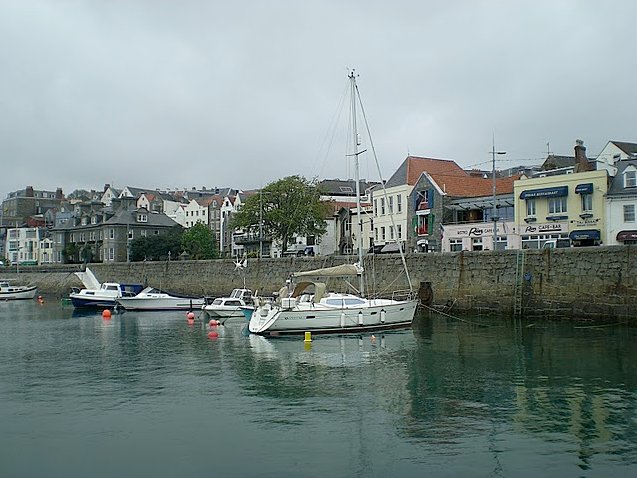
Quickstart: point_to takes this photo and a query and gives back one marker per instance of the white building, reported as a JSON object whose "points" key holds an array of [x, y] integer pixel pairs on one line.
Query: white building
{"points": [[621, 204], [23, 245]]}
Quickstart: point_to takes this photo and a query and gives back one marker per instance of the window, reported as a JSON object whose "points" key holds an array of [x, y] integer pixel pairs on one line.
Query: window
{"points": [[141, 217], [587, 202], [399, 230], [530, 207], [111, 233], [476, 244], [375, 207], [111, 253], [391, 204], [629, 213], [143, 232], [399, 203], [376, 233], [130, 234], [93, 219], [391, 233], [455, 245], [382, 233], [382, 206], [630, 179], [557, 205]]}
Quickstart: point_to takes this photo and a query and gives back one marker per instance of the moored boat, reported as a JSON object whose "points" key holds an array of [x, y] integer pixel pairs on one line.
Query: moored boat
{"points": [[16, 292], [307, 307], [96, 295], [155, 299], [225, 308]]}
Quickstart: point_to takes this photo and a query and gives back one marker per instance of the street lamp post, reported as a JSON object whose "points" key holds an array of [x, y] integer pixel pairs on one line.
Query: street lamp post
{"points": [[494, 212], [260, 223]]}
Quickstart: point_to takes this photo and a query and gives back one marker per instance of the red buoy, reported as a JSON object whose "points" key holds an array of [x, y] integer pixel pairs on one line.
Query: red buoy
{"points": [[190, 316], [106, 314], [212, 323], [213, 335]]}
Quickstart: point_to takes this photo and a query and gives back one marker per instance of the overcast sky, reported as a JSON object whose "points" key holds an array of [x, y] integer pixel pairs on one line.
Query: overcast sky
{"points": [[166, 94]]}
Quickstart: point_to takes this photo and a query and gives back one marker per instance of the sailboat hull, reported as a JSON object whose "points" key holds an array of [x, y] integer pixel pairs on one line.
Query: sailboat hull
{"points": [[316, 318]]}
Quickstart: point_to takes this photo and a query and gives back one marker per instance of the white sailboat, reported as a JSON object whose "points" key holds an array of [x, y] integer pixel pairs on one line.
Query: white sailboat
{"points": [[308, 307]]}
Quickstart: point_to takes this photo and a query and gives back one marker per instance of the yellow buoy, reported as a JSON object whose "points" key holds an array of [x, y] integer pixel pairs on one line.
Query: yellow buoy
{"points": [[308, 337]]}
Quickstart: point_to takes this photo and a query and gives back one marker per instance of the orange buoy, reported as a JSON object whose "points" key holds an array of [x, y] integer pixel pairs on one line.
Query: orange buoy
{"points": [[213, 335], [106, 314]]}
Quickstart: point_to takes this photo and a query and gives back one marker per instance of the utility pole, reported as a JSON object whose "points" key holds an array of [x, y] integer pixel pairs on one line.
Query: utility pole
{"points": [[494, 213]]}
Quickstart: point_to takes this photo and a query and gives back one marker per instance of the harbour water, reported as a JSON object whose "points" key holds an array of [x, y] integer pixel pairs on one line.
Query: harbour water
{"points": [[145, 394]]}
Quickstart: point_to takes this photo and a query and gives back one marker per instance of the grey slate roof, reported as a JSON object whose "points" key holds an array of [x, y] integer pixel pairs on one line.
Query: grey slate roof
{"points": [[616, 187], [339, 187], [125, 217], [628, 148]]}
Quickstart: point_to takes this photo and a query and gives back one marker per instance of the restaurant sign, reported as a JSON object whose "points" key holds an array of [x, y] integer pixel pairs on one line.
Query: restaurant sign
{"points": [[544, 228]]}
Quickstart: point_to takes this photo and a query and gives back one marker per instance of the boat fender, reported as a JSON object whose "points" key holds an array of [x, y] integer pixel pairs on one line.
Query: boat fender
{"points": [[382, 316]]}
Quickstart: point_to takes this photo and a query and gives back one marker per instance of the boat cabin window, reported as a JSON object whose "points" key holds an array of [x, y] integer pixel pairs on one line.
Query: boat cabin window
{"points": [[217, 302], [111, 287], [233, 303], [347, 301]]}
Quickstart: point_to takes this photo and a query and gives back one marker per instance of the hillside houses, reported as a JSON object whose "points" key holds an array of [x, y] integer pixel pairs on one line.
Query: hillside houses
{"points": [[427, 205]]}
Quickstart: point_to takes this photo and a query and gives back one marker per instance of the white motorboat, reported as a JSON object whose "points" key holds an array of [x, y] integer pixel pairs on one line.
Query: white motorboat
{"points": [[96, 295], [307, 307], [16, 292], [225, 308], [155, 299]]}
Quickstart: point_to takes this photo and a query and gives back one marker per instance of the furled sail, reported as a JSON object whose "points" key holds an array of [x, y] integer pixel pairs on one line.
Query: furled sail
{"points": [[336, 271]]}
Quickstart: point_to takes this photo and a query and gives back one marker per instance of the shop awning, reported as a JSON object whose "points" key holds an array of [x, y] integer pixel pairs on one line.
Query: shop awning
{"points": [[592, 234], [627, 236], [584, 188], [545, 192]]}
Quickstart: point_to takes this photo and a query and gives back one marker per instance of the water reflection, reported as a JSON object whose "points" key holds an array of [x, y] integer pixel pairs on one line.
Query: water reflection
{"points": [[457, 396]]}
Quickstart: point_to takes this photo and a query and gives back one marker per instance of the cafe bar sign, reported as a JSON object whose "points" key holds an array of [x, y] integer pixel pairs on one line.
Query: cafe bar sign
{"points": [[544, 228]]}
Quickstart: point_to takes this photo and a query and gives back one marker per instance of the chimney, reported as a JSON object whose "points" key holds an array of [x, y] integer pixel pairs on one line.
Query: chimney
{"points": [[29, 192], [581, 162], [106, 186], [58, 194]]}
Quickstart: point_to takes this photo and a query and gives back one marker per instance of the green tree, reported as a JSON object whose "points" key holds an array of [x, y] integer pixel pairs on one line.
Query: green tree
{"points": [[156, 248], [287, 208], [199, 242]]}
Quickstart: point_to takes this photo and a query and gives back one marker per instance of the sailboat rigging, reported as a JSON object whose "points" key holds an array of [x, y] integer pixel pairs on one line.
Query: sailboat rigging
{"points": [[308, 306]]}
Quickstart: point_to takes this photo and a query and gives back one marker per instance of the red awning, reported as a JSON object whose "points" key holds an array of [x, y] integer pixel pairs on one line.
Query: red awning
{"points": [[627, 236]]}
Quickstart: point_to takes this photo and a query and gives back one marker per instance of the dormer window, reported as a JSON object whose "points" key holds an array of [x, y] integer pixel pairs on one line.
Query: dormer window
{"points": [[84, 221], [630, 178], [94, 220], [141, 217]]}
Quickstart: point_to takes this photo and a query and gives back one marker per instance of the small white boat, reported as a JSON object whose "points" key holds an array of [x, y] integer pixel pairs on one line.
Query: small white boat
{"points": [[224, 308], [155, 299], [96, 295], [16, 292]]}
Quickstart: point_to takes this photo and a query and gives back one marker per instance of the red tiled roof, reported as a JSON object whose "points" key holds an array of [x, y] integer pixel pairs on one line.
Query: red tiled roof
{"points": [[469, 186], [417, 165]]}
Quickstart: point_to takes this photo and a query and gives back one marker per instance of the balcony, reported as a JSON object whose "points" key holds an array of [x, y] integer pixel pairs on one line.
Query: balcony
{"points": [[247, 239], [422, 231]]}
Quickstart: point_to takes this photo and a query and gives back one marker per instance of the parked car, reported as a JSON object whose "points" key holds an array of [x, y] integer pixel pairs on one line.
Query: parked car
{"points": [[300, 250]]}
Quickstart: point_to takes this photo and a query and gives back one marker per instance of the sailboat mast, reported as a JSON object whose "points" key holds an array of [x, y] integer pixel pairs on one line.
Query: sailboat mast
{"points": [[359, 217]]}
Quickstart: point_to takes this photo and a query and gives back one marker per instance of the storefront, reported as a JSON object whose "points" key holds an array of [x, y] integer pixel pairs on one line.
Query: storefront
{"points": [[478, 236], [586, 237], [627, 237]]}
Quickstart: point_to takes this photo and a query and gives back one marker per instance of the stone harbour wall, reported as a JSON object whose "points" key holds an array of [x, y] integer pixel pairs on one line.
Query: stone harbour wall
{"points": [[578, 283]]}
